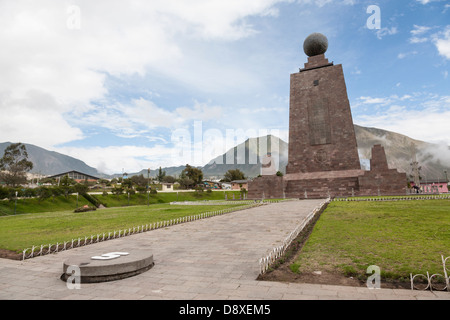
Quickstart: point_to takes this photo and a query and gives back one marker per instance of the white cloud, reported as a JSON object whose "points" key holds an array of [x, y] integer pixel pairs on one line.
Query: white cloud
{"points": [[418, 40], [406, 54], [113, 159], [42, 53], [419, 30], [35, 118], [142, 117], [386, 32], [420, 116], [442, 42]]}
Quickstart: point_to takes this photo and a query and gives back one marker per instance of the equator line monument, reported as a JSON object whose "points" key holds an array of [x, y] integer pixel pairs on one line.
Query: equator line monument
{"points": [[323, 153]]}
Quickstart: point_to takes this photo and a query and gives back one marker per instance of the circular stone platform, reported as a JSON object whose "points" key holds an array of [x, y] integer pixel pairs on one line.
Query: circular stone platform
{"points": [[108, 266]]}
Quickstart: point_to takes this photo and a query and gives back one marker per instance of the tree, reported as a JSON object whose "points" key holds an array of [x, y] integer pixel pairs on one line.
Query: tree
{"points": [[161, 174], [15, 164], [169, 179], [195, 174], [66, 185], [139, 180], [232, 175]]}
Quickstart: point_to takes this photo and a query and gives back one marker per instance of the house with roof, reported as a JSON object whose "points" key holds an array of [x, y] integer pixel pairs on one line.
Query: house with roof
{"points": [[79, 177]]}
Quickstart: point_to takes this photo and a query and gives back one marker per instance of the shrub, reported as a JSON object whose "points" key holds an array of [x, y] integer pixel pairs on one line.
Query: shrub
{"points": [[85, 208]]}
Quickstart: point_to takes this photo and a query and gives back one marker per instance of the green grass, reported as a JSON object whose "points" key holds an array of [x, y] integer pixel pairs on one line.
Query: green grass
{"points": [[33, 205], [164, 197], [401, 237], [60, 203], [23, 231]]}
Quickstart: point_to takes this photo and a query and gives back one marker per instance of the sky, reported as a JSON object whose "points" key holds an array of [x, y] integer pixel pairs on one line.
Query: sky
{"points": [[130, 85]]}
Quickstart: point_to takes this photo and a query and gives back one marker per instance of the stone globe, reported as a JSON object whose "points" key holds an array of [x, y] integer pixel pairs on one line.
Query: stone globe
{"points": [[315, 44]]}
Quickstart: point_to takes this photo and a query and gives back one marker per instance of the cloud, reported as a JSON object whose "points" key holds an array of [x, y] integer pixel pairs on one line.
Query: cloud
{"points": [[406, 54], [67, 55], [442, 42], [386, 32], [418, 30], [142, 117], [35, 118], [420, 116], [113, 159]]}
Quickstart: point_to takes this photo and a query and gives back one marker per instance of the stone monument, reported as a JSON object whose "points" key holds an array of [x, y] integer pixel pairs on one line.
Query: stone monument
{"points": [[323, 152]]}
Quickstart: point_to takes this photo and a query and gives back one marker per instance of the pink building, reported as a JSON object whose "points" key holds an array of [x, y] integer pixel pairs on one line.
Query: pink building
{"points": [[432, 187]]}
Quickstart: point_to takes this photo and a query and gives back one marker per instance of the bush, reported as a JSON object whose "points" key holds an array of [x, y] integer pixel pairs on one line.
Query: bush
{"points": [[153, 191], [4, 193], [85, 208], [117, 190]]}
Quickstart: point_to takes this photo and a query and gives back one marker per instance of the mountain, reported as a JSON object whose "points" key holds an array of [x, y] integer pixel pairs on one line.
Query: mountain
{"points": [[247, 157], [47, 162], [170, 171], [434, 159]]}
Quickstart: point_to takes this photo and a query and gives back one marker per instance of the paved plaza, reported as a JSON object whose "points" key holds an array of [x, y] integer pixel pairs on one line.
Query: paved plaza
{"points": [[210, 259]]}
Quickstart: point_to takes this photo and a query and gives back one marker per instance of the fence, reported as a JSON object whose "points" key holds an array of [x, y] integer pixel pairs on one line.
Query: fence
{"points": [[229, 202], [277, 252], [393, 198], [86, 240], [429, 279]]}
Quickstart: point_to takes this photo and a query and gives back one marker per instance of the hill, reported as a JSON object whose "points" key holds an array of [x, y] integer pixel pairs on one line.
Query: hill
{"points": [[434, 159], [47, 162]]}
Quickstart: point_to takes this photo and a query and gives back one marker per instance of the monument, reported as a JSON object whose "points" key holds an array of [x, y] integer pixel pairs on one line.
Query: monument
{"points": [[323, 152]]}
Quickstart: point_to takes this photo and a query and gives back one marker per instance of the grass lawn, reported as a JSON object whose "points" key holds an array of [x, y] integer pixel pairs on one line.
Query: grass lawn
{"points": [[401, 237], [61, 203], [19, 232]]}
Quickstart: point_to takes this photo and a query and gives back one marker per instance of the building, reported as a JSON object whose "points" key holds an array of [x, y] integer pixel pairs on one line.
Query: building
{"points": [[212, 185], [431, 187], [79, 177], [166, 187], [238, 184]]}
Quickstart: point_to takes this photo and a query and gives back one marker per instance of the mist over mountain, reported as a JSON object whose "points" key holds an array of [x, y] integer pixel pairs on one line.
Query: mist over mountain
{"points": [[433, 159], [400, 150]]}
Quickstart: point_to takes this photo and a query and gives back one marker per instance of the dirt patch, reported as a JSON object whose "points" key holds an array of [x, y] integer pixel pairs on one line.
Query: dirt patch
{"points": [[280, 271], [8, 254]]}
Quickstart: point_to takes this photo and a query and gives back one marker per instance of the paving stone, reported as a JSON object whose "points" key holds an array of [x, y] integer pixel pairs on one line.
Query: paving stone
{"points": [[192, 264]]}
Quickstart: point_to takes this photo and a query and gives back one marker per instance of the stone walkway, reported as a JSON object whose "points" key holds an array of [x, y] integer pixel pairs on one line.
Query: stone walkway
{"points": [[211, 259]]}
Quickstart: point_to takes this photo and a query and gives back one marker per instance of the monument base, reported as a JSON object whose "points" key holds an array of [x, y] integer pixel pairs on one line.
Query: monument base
{"points": [[380, 180], [266, 187], [317, 185], [122, 265]]}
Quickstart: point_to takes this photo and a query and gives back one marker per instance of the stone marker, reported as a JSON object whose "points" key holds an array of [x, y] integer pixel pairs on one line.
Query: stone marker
{"points": [[108, 266]]}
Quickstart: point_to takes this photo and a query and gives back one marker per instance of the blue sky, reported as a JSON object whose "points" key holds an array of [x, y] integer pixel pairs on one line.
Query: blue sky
{"points": [[114, 82]]}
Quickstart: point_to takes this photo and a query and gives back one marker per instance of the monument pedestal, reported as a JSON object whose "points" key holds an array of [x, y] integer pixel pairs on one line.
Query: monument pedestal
{"points": [[266, 187]]}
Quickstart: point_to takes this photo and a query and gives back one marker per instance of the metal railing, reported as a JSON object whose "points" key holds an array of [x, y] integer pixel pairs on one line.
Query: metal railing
{"points": [[44, 249], [277, 252]]}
